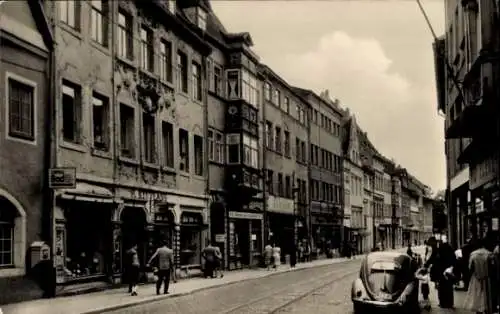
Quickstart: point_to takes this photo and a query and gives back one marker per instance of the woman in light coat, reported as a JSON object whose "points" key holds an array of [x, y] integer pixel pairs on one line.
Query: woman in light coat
{"points": [[478, 297], [276, 256]]}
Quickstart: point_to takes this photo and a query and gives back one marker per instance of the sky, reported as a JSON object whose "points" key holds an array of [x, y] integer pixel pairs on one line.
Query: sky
{"points": [[374, 56]]}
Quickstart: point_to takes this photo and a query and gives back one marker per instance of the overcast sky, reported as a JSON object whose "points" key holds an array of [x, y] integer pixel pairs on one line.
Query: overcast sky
{"points": [[375, 56]]}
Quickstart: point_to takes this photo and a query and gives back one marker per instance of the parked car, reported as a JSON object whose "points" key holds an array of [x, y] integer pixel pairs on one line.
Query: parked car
{"points": [[386, 282]]}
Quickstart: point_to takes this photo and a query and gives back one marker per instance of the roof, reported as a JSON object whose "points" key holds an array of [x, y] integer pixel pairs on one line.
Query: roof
{"points": [[267, 71], [307, 92]]}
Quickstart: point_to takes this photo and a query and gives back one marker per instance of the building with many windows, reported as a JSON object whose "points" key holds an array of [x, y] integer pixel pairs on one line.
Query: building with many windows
{"points": [[26, 46], [466, 61], [285, 152], [130, 120]]}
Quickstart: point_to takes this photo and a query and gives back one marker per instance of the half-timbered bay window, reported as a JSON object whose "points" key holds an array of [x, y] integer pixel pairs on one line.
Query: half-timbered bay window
{"points": [[241, 84]]}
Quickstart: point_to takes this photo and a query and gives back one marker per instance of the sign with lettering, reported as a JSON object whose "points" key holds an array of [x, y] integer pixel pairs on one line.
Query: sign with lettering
{"points": [[149, 196], [62, 178], [245, 215], [188, 218]]}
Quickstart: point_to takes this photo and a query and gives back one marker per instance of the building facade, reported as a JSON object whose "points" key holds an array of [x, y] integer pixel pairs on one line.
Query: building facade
{"points": [[285, 161], [326, 171], [130, 122], [467, 54], [354, 183], [26, 45]]}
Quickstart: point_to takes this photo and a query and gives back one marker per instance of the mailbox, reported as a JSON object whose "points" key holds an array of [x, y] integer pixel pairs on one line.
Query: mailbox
{"points": [[40, 251]]}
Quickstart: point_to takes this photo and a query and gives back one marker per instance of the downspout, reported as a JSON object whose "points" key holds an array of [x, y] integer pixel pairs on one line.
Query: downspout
{"points": [[309, 178], [205, 136], [264, 166]]}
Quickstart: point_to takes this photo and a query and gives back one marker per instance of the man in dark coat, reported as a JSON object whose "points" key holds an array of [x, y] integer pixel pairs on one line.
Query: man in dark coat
{"points": [[442, 258]]}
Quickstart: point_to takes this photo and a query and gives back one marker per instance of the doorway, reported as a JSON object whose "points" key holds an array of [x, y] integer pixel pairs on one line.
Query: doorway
{"points": [[134, 232], [242, 230]]}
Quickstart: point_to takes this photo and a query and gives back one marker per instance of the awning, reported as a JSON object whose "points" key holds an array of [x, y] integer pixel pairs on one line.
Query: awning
{"points": [[86, 192]]}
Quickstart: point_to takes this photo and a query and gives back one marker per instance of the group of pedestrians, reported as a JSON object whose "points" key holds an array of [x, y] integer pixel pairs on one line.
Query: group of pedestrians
{"points": [[476, 264]]}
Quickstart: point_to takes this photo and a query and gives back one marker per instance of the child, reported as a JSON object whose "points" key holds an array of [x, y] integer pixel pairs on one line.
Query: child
{"points": [[423, 276]]}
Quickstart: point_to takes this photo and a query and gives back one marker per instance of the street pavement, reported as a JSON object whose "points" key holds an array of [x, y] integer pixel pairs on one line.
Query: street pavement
{"points": [[317, 287]]}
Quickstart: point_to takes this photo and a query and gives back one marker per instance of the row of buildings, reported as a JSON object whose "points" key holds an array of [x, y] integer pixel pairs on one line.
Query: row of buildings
{"points": [[132, 122], [468, 90]]}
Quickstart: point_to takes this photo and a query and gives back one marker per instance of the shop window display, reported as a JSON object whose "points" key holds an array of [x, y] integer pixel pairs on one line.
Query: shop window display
{"points": [[190, 239], [88, 237]]}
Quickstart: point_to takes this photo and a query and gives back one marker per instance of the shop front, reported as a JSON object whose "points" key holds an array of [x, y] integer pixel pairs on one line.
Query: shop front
{"points": [[191, 239], [245, 237], [83, 234], [282, 232], [326, 234]]}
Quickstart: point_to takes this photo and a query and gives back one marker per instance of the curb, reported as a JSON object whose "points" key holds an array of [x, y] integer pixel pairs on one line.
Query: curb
{"points": [[157, 298]]}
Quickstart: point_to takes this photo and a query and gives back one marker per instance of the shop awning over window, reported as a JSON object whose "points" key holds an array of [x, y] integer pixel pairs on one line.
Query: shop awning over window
{"points": [[87, 192]]}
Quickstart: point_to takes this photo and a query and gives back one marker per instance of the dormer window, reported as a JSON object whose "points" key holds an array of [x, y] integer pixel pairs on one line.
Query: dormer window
{"points": [[201, 18]]}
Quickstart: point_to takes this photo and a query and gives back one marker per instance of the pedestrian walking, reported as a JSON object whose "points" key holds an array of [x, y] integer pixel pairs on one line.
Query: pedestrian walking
{"points": [[268, 256], [133, 269], [441, 263], [276, 256], [165, 257], [478, 297], [209, 257]]}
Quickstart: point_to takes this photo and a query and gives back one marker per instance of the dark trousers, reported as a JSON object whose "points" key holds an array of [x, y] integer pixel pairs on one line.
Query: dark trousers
{"points": [[163, 277], [133, 277], [446, 293], [425, 290]]}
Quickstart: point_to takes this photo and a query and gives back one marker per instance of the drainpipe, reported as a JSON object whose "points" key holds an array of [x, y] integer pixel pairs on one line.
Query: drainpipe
{"points": [[263, 170], [205, 136]]}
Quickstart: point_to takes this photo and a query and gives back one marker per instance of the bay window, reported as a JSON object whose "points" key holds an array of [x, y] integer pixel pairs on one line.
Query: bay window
{"points": [[250, 152], [233, 148], [241, 84]]}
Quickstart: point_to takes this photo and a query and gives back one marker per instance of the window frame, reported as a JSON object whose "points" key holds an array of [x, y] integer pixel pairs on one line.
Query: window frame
{"points": [[146, 56], [182, 70], [201, 18], [198, 155], [105, 123], [149, 146], [168, 159], [197, 82], [77, 111], [250, 148], [66, 6], [100, 14], [10, 225], [130, 141], [184, 157], [34, 110], [165, 61], [125, 33]]}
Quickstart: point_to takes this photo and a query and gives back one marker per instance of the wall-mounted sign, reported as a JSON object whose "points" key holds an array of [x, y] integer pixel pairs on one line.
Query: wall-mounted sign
{"points": [[62, 178], [245, 215], [220, 238], [494, 224]]}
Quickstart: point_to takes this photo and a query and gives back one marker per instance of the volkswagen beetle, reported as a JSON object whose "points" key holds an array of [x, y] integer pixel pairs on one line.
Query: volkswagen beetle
{"points": [[386, 282]]}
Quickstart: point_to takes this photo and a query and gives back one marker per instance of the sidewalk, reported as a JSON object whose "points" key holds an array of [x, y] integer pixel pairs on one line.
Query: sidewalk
{"points": [[98, 302]]}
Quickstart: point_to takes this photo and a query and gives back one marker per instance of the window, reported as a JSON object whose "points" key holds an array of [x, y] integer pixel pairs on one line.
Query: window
{"points": [[217, 80], [70, 13], [198, 155], [303, 149], [127, 131], [286, 104], [250, 92], [233, 148], [183, 150], [99, 22], [165, 61], [182, 74], [147, 54], [71, 111], [267, 91], [215, 146], [167, 131], [298, 152], [21, 110], [100, 119], [287, 143], [269, 135], [288, 187], [6, 243], [125, 39], [281, 190], [196, 73], [250, 151], [201, 19], [277, 139], [148, 130], [276, 97], [233, 84], [270, 182]]}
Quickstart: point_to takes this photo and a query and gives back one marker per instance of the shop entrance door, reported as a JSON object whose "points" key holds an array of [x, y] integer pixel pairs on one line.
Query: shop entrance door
{"points": [[134, 232], [242, 227]]}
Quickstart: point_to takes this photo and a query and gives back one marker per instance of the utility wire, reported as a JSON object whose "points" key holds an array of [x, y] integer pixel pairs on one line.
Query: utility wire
{"points": [[442, 54]]}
